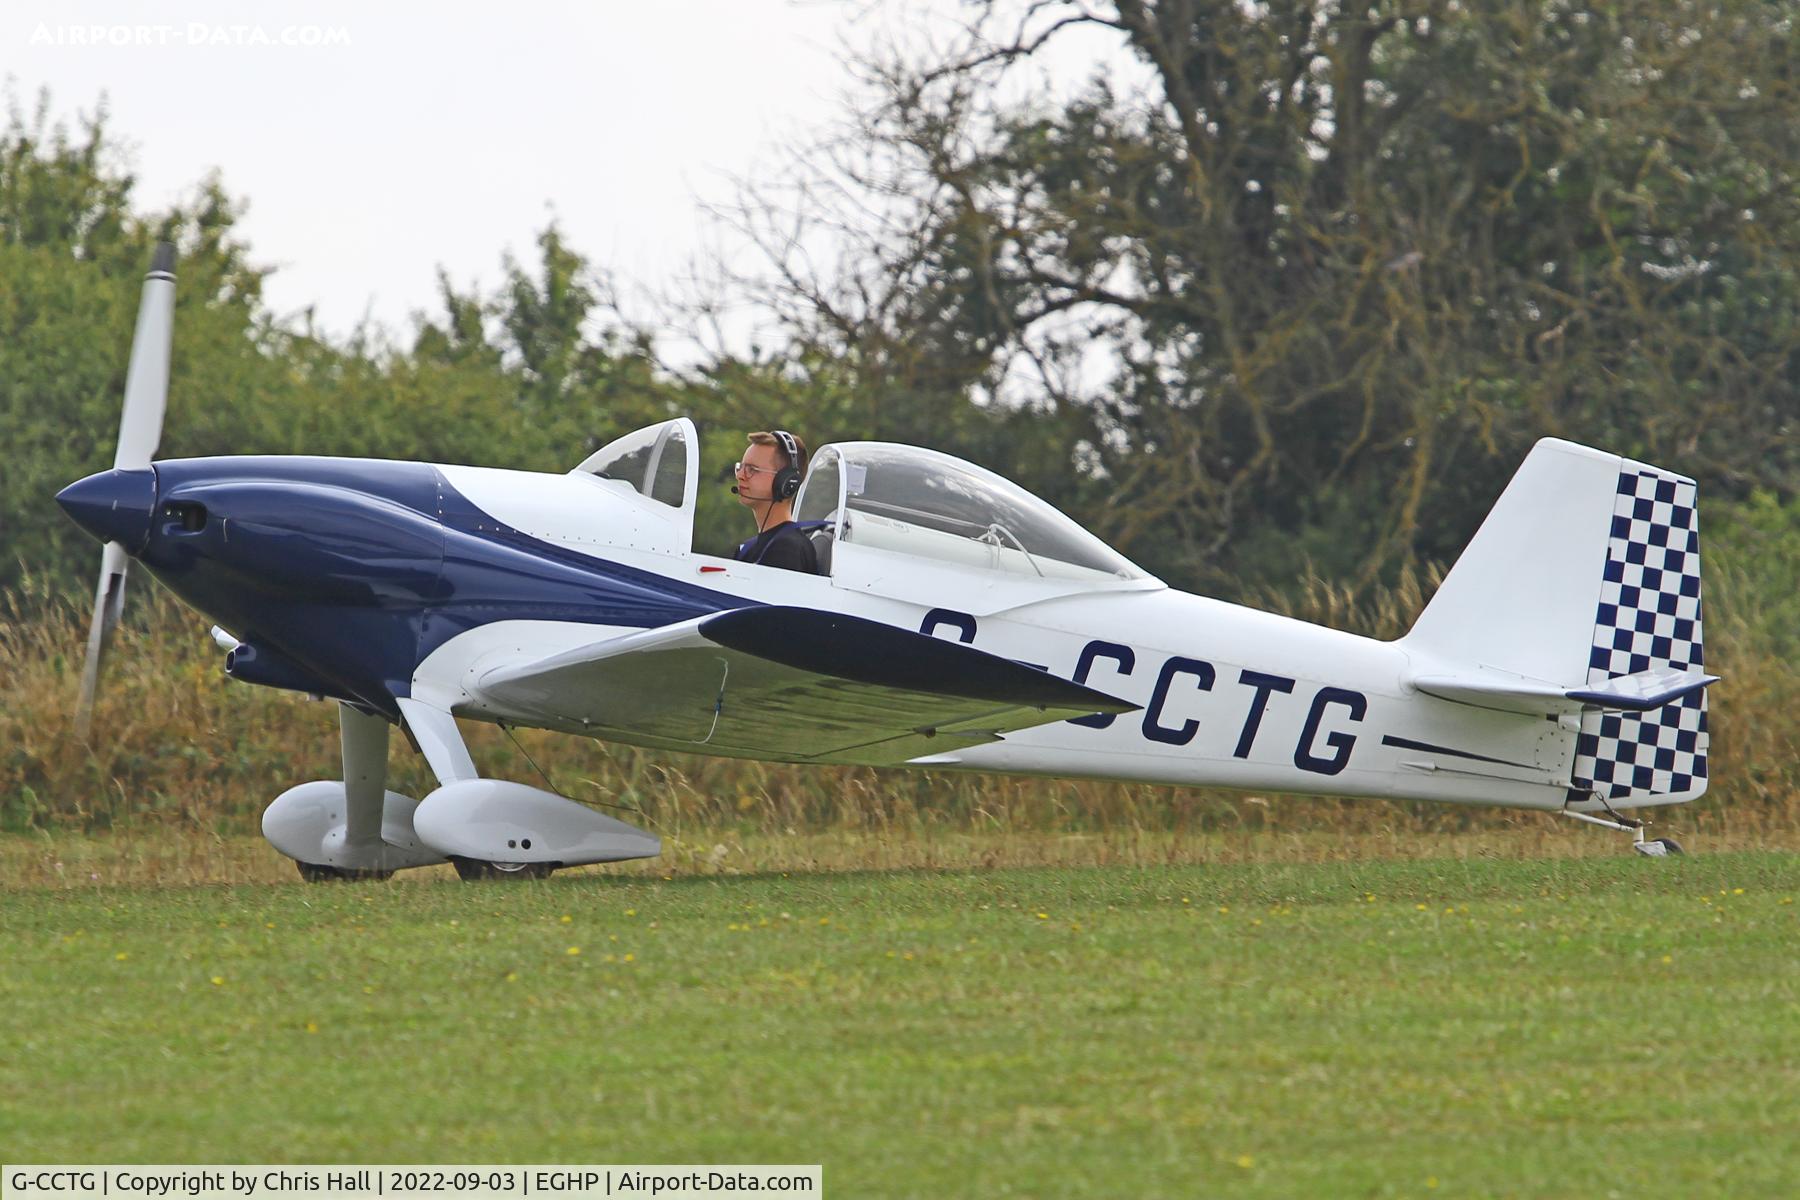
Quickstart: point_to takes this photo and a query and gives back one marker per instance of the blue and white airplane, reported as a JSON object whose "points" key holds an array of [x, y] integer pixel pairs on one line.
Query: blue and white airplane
{"points": [[959, 624]]}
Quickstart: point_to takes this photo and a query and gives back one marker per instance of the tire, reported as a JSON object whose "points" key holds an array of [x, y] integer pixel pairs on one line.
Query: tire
{"points": [[1671, 845], [475, 869], [320, 873]]}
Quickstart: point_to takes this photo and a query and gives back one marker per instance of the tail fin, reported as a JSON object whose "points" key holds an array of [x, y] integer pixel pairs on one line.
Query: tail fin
{"points": [[1587, 570]]}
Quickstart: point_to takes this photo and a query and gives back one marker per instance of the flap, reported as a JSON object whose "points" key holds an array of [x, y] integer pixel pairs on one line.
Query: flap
{"points": [[1642, 692], [791, 683]]}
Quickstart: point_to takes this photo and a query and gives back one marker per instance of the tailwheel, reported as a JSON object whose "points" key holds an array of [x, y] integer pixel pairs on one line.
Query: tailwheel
{"points": [[320, 873], [475, 868], [1648, 847]]}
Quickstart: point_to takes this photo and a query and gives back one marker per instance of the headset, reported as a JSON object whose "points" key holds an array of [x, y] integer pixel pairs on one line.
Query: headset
{"points": [[787, 480]]}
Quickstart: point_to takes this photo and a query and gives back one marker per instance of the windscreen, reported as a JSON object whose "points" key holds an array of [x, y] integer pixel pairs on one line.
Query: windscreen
{"points": [[819, 498], [652, 462], [909, 489]]}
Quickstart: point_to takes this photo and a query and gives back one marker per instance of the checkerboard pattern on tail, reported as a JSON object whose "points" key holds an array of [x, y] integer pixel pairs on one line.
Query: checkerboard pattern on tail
{"points": [[1648, 619]]}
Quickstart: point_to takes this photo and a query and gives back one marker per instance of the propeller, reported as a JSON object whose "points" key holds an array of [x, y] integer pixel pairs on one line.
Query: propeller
{"points": [[140, 431]]}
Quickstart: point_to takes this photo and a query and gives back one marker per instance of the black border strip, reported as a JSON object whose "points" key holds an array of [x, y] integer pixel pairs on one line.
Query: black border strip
{"points": [[1388, 739], [855, 648]]}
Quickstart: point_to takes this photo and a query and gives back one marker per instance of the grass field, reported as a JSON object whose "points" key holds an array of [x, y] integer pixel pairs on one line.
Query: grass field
{"points": [[1448, 1026]]}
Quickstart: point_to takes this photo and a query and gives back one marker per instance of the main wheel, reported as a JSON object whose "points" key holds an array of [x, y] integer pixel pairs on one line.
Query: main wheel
{"points": [[320, 873], [477, 868]]}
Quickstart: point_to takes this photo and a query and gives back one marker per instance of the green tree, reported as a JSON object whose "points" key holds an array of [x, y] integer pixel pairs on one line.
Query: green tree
{"points": [[1310, 286], [534, 376]]}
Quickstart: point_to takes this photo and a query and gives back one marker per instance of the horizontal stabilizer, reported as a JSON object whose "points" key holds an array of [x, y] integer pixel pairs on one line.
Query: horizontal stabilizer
{"points": [[790, 683], [1643, 692]]}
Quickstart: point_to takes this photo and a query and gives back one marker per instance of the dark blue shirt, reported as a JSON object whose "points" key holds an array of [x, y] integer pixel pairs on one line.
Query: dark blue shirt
{"points": [[785, 546]]}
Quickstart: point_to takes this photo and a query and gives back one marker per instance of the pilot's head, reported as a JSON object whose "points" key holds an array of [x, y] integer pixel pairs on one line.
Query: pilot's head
{"points": [[772, 468]]}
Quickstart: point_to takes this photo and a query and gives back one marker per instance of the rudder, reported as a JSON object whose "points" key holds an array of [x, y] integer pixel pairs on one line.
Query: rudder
{"points": [[1648, 618]]}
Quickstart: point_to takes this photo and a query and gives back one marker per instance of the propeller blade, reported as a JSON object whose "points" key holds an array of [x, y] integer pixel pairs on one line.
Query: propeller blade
{"points": [[147, 378], [109, 600], [140, 432]]}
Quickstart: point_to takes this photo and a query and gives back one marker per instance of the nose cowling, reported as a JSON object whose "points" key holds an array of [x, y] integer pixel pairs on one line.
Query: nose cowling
{"points": [[114, 506]]}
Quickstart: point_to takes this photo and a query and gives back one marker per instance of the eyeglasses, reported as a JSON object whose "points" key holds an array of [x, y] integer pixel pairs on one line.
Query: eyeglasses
{"points": [[744, 468]]}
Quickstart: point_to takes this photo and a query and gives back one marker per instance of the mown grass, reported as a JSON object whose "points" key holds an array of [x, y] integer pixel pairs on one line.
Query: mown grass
{"points": [[1611, 1026]]}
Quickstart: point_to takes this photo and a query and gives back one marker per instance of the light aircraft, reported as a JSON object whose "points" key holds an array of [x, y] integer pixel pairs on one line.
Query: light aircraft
{"points": [[960, 624]]}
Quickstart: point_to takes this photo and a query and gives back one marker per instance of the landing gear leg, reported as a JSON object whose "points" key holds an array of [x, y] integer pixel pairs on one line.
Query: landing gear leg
{"points": [[493, 829], [351, 828], [363, 738], [1652, 848], [442, 745]]}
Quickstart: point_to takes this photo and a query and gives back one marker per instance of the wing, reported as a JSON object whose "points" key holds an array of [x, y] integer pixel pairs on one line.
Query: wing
{"points": [[790, 683]]}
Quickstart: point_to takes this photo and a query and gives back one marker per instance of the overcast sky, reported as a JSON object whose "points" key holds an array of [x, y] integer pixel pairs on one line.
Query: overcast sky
{"points": [[375, 142], [385, 140]]}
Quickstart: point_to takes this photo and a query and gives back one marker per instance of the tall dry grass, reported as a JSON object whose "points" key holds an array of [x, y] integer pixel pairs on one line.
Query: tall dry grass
{"points": [[178, 746], [1754, 712]]}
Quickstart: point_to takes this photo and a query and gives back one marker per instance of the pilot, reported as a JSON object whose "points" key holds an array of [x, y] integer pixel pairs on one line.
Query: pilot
{"points": [[767, 480]]}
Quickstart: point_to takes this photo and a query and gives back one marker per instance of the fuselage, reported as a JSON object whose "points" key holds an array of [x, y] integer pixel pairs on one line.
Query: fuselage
{"points": [[373, 581]]}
